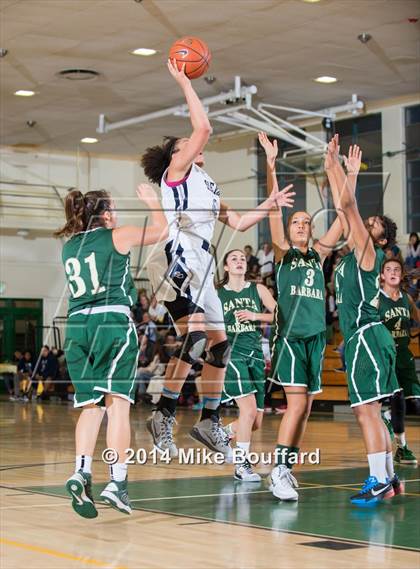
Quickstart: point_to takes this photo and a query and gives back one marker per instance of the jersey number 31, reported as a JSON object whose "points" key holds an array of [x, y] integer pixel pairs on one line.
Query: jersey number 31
{"points": [[76, 284]]}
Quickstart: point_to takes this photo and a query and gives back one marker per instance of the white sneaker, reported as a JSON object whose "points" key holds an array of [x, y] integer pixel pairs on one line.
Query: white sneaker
{"points": [[283, 483], [244, 473]]}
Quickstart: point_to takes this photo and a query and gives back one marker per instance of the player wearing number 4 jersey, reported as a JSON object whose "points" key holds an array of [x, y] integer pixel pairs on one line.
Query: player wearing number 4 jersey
{"points": [[369, 348], [396, 309], [101, 340], [298, 342]]}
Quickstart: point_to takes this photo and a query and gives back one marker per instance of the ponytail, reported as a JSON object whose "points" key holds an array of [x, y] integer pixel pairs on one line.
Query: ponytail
{"points": [[84, 211]]}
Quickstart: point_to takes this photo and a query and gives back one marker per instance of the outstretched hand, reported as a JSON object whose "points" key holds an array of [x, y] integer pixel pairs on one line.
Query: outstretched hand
{"points": [[333, 152], [147, 194], [353, 160], [283, 198], [271, 149], [178, 74]]}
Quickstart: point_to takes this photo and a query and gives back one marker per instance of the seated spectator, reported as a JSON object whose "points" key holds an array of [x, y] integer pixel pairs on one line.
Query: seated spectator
{"points": [[155, 380], [25, 370], [159, 314], [265, 258], [250, 257], [45, 373], [412, 258], [142, 305], [254, 273], [12, 380]]}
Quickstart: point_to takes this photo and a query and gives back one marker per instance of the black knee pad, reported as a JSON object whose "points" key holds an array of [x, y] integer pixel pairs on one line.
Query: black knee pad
{"points": [[218, 355], [413, 406], [193, 345], [398, 411]]}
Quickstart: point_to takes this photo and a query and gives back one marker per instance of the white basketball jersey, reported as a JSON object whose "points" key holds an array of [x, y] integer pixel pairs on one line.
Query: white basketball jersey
{"points": [[192, 206]]}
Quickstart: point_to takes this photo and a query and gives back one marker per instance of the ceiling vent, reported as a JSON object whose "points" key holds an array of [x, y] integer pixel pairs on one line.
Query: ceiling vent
{"points": [[78, 74]]}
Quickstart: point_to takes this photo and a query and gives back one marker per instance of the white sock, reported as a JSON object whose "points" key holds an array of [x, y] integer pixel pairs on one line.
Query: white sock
{"points": [[377, 465], [118, 472], [244, 447], [400, 438], [389, 461], [84, 463]]}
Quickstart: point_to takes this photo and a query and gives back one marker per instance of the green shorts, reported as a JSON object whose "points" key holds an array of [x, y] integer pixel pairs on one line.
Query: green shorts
{"points": [[370, 361], [298, 362], [101, 353], [406, 373], [245, 375]]}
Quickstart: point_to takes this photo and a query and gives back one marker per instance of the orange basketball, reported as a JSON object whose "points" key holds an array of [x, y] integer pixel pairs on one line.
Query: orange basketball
{"points": [[194, 53]]}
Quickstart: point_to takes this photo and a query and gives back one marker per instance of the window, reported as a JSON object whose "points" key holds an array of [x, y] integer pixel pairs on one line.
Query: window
{"points": [[286, 174], [367, 133], [412, 141]]}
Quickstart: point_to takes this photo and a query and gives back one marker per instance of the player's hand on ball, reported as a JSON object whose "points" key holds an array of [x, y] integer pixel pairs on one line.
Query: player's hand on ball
{"points": [[178, 74], [245, 316], [353, 160], [147, 194], [271, 149]]}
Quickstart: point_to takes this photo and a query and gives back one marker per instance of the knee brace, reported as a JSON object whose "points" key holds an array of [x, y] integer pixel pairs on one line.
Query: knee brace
{"points": [[218, 354], [398, 412], [193, 345]]}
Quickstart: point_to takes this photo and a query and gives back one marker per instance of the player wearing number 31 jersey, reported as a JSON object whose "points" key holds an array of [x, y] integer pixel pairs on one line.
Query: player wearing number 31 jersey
{"points": [[101, 341]]}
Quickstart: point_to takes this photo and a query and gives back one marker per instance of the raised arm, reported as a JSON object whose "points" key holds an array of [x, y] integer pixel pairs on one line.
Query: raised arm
{"points": [[129, 236], [278, 236], [185, 156], [343, 192], [243, 221]]}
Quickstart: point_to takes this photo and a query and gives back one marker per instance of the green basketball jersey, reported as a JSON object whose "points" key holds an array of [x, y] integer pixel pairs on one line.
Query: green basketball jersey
{"points": [[97, 275], [300, 311], [357, 293], [395, 314], [244, 337]]}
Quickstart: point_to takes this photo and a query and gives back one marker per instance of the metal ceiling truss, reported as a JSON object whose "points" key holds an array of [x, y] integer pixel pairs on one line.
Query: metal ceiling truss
{"points": [[239, 112]]}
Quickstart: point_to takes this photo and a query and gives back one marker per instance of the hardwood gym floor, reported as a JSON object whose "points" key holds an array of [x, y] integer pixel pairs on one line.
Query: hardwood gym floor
{"points": [[188, 516]]}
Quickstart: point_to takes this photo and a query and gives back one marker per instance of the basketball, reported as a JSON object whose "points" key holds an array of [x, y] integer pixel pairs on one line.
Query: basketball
{"points": [[194, 53]]}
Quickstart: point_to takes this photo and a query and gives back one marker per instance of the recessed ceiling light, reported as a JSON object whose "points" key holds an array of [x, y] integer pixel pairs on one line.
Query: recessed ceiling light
{"points": [[88, 140], [325, 79], [24, 93], [144, 51], [22, 233]]}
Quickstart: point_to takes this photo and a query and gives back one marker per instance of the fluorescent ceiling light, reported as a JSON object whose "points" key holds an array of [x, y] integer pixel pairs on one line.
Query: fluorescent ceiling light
{"points": [[325, 79], [24, 93], [311, 1], [22, 232], [144, 51], [88, 140]]}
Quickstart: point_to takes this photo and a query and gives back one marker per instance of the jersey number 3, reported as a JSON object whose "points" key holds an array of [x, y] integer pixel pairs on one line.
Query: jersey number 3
{"points": [[76, 284]]}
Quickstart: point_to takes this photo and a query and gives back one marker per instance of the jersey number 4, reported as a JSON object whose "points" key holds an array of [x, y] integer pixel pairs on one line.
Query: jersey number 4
{"points": [[76, 284]]}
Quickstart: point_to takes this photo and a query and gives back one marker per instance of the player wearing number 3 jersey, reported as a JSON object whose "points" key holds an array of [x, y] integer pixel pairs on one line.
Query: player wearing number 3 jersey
{"points": [[298, 342], [101, 341]]}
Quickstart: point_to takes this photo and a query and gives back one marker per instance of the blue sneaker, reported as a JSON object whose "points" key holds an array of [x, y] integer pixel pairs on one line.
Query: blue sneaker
{"points": [[372, 492]]}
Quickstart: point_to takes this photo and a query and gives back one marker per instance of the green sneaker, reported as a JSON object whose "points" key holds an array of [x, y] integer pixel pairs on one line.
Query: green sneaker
{"points": [[115, 494], [403, 455], [79, 486], [387, 420]]}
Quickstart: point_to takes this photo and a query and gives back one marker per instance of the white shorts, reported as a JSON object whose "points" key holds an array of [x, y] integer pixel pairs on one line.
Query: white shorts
{"points": [[185, 269]]}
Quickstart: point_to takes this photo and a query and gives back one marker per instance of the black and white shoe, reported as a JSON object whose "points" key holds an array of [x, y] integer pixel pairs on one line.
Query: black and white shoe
{"points": [[160, 425], [244, 472]]}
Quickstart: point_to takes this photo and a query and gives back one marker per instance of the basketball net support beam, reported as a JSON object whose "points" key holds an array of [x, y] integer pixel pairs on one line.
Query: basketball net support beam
{"points": [[239, 112]]}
